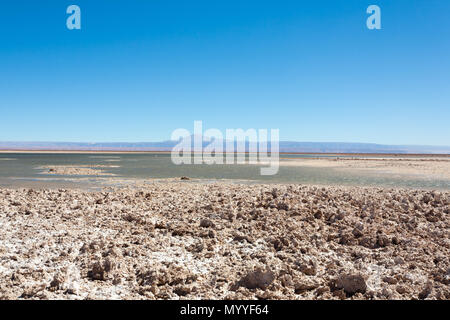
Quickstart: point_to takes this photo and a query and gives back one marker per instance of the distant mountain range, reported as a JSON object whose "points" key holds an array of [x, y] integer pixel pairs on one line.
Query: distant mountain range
{"points": [[285, 146]]}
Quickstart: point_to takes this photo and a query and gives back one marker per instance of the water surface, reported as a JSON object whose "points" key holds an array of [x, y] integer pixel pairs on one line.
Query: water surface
{"points": [[22, 170]]}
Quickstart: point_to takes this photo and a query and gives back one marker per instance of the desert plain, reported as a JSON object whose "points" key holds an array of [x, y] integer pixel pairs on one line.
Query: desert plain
{"points": [[183, 239]]}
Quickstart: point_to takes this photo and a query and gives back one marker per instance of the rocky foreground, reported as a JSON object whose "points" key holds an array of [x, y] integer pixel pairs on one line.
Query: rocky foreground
{"points": [[183, 240]]}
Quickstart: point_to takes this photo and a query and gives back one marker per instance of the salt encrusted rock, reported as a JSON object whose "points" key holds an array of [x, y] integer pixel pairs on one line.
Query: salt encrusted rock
{"points": [[97, 271], [146, 277], [401, 289], [426, 291], [390, 280], [182, 290], [206, 223], [382, 240], [57, 281], [350, 283], [318, 214], [274, 193], [357, 232], [282, 206], [257, 279], [148, 242], [301, 287], [308, 269]]}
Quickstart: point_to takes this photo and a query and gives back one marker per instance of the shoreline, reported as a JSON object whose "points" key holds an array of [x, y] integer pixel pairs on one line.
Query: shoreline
{"points": [[95, 183], [50, 151]]}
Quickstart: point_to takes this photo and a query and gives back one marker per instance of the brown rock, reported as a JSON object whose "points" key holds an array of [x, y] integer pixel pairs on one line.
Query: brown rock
{"points": [[390, 280], [426, 291], [282, 206], [318, 214], [256, 280], [357, 233], [367, 242], [308, 269], [206, 223], [182, 290], [350, 283], [302, 287], [97, 271], [57, 281], [382, 240], [401, 289]]}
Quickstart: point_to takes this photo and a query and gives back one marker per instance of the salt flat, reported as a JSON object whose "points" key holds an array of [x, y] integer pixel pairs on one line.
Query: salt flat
{"points": [[194, 240]]}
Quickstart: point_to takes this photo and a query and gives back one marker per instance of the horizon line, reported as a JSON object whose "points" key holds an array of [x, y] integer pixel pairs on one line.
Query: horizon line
{"points": [[173, 141]]}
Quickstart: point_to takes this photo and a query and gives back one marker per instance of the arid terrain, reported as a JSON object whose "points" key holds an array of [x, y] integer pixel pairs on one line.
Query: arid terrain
{"points": [[427, 167], [76, 170], [191, 240]]}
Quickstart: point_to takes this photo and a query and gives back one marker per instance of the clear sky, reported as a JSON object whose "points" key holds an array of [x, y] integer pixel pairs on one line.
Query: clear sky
{"points": [[137, 70]]}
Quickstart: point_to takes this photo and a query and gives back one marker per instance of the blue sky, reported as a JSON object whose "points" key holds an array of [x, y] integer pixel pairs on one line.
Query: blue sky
{"points": [[137, 70]]}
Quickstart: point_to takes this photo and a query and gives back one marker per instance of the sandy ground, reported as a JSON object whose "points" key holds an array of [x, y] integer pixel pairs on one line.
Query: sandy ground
{"points": [[77, 170], [426, 167], [186, 240]]}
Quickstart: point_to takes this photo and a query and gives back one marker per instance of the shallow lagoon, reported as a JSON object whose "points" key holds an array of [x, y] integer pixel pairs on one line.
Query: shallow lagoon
{"points": [[22, 170]]}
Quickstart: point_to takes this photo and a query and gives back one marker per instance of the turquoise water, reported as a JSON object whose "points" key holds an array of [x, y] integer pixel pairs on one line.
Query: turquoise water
{"points": [[21, 169]]}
